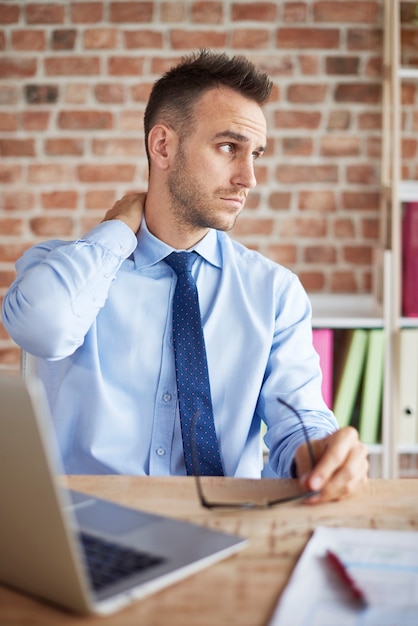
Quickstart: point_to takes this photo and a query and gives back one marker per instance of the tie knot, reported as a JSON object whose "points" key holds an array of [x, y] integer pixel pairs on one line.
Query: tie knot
{"points": [[181, 262]]}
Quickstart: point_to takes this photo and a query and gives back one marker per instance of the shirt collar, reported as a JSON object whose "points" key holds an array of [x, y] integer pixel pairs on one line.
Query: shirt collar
{"points": [[151, 250]]}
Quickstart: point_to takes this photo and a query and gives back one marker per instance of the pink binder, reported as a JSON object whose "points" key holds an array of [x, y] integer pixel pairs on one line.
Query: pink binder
{"points": [[410, 260], [323, 344]]}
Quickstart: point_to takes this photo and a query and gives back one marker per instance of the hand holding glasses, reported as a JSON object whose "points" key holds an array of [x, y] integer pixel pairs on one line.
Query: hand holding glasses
{"points": [[209, 504]]}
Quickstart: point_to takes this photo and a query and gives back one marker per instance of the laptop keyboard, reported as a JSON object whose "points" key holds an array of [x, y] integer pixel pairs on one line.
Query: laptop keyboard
{"points": [[108, 562]]}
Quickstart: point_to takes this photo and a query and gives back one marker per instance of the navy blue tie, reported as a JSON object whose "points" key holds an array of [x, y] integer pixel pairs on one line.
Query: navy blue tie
{"points": [[195, 403]]}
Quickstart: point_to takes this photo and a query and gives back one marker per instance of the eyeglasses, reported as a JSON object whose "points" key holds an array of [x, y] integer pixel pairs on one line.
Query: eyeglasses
{"points": [[253, 504]]}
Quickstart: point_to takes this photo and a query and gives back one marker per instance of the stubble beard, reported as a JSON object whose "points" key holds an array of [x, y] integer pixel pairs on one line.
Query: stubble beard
{"points": [[190, 207]]}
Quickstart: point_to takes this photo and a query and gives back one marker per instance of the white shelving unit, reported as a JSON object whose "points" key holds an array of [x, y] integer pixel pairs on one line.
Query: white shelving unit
{"points": [[395, 192]]}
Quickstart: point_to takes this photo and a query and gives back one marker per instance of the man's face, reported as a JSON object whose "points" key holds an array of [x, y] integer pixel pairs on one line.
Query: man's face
{"points": [[213, 169]]}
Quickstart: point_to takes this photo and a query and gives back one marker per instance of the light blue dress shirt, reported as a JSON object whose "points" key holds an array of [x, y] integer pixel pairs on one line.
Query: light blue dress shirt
{"points": [[97, 314]]}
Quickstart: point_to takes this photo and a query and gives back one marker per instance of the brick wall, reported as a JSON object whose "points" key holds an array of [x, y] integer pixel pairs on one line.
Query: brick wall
{"points": [[74, 80]]}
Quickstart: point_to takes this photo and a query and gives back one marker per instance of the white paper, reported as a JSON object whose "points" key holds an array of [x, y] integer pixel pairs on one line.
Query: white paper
{"points": [[384, 564]]}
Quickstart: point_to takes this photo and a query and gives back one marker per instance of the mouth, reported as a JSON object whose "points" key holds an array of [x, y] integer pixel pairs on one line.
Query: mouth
{"points": [[234, 202]]}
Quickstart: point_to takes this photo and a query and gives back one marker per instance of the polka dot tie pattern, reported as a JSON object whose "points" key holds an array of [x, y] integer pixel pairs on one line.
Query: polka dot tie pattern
{"points": [[195, 404]]}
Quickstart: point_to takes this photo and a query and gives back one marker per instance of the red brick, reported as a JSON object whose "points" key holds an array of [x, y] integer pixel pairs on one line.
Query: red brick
{"points": [[51, 226], [370, 228], [374, 147], [131, 120], [10, 174], [283, 254], [408, 93], [302, 38], [197, 39], [59, 200], [339, 146], [6, 278], [47, 13], [49, 173], [323, 201], [207, 12], [291, 174], [361, 12], [125, 66], [2, 41], [161, 65], [297, 119], [251, 226], [106, 173], [77, 93], [17, 67], [9, 14], [63, 39], [86, 12], [339, 120], [118, 147], [41, 94], [141, 92], [250, 38], [362, 174], [323, 255], [10, 252], [343, 228], [297, 146], [343, 282], [8, 94], [142, 39], [370, 121], [374, 68], [99, 199], [254, 11], [361, 200], [364, 39], [18, 201], [35, 120], [85, 120], [307, 93], [72, 66], [11, 226], [131, 12], [342, 65], [309, 64], [8, 121], [17, 148], [279, 200], [303, 227], [28, 39], [358, 255], [64, 146], [10, 357], [172, 11], [312, 281], [100, 38], [295, 12], [110, 93], [358, 92]]}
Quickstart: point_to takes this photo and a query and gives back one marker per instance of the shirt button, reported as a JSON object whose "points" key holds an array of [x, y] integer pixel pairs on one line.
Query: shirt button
{"points": [[160, 451], [167, 397]]}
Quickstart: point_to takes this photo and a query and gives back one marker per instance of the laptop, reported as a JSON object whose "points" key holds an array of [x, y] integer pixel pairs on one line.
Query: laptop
{"points": [[50, 536]]}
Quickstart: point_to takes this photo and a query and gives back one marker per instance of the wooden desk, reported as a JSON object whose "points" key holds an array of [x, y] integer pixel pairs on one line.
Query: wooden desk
{"points": [[243, 589]]}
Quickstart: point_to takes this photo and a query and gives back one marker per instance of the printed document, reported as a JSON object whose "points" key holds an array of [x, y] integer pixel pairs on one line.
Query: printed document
{"points": [[382, 563]]}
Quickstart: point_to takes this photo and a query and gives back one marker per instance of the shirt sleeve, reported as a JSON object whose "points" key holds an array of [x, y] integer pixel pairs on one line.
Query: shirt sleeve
{"points": [[294, 375], [60, 288]]}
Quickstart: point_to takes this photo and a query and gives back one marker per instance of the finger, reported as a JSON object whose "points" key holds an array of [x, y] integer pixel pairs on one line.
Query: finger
{"points": [[342, 467]]}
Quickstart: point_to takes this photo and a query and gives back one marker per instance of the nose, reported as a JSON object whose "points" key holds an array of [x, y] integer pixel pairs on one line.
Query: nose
{"points": [[244, 175]]}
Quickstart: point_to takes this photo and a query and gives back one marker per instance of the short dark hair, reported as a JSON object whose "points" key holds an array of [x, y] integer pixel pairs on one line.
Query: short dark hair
{"points": [[174, 95]]}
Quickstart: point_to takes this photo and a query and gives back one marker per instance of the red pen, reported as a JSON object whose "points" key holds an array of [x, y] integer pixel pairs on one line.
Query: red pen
{"points": [[338, 566]]}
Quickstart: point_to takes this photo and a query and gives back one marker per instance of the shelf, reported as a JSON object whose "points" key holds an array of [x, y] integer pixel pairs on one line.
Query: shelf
{"points": [[408, 191], [345, 311], [408, 73], [408, 322]]}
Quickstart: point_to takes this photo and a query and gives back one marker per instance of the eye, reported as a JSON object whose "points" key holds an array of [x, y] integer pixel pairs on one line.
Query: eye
{"points": [[257, 155], [228, 148]]}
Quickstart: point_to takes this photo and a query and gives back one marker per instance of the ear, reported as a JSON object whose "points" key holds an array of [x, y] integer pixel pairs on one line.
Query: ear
{"points": [[162, 145]]}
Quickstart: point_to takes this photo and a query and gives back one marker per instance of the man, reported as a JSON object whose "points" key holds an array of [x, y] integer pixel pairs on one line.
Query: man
{"points": [[97, 312]]}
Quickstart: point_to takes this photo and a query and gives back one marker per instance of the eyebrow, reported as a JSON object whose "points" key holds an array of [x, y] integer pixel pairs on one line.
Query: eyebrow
{"points": [[230, 134]]}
